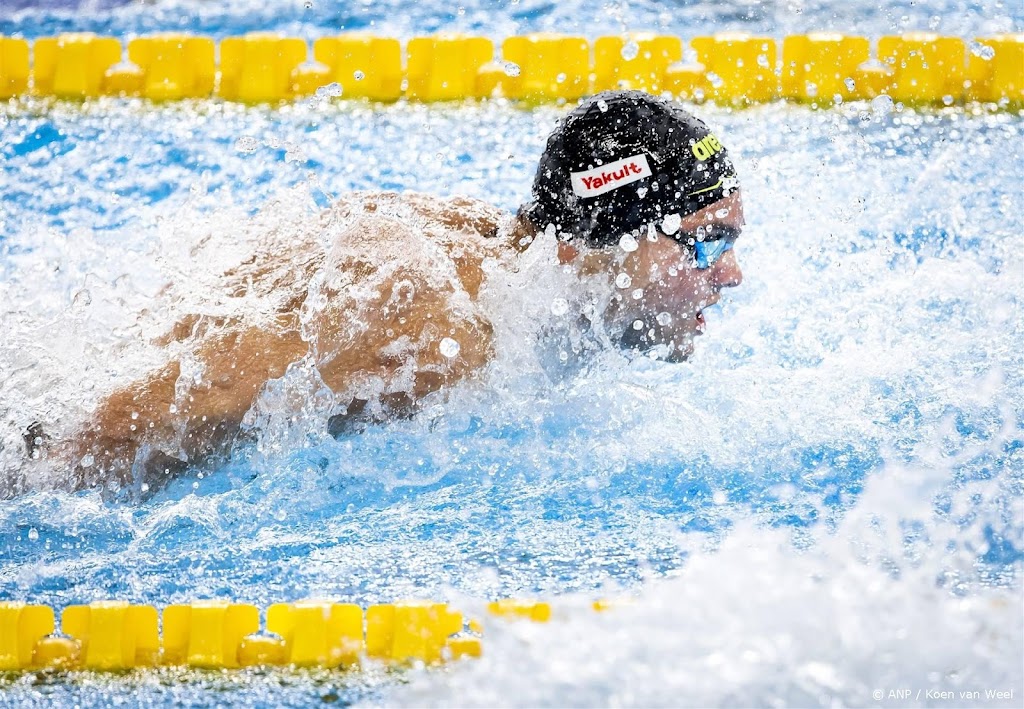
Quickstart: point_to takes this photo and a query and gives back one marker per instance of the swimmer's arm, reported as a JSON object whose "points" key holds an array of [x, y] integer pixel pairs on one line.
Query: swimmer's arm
{"points": [[402, 345], [185, 419]]}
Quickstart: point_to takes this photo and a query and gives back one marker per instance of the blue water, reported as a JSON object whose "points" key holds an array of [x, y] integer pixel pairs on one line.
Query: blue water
{"points": [[501, 18], [825, 501]]}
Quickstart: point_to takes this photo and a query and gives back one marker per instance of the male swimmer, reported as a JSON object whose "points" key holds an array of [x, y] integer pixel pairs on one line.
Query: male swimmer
{"points": [[636, 190]]}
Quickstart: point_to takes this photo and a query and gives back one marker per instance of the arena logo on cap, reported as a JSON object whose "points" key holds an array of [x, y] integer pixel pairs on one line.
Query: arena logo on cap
{"points": [[606, 178]]}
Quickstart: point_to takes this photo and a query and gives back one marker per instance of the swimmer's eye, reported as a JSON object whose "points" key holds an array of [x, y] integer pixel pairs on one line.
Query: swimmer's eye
{"points": [[708, 243]]}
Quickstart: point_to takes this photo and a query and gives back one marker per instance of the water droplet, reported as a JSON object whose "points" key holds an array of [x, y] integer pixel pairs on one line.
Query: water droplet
{"points": [[664, 319], [247, 144], [560, 78], [358, 75], [628, 243], [328, 91], [670, 224], [719, 497], [559, 306], [630, 49], [173, 409], [638, 324], [985, 51], [281, 515], [309, 5], [87, 460], [449, 347], [947, 100], [882, 105], [641, 192], [623, 280], [33, 535], [135, 415], [602, 105], [722, 213], [638, 294], [762, 60], [512, 69], [850, 84]]}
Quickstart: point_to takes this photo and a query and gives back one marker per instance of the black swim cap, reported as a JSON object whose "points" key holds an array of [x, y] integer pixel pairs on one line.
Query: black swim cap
{"points": [[622, 160]]}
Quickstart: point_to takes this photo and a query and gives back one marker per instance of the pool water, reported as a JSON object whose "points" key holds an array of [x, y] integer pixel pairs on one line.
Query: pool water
{"points": [[823, 503]]}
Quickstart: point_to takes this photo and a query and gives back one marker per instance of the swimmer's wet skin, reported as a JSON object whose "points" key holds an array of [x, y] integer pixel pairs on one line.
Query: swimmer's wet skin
{"points": [[637, 191]]}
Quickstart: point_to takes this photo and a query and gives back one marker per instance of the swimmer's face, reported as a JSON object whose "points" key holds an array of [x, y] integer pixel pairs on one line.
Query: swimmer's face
{"points": [[662, 307]]}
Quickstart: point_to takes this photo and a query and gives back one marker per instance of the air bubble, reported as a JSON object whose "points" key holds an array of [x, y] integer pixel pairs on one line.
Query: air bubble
{"points": [[628, 243], [358, 75], [173, 409], [623, 280], [512, 69], [630, 50], [33, 535], [850, 84], [560, 78], [762, 60], [449, 347], [602, 105], [641, 192], [638, 324], [87, 460], [638, 294], [722, 213], [559, 306], [663, 319]]}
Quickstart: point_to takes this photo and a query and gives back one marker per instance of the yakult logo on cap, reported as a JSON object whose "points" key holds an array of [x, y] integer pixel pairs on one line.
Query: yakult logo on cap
{"points": [[609, 177]]}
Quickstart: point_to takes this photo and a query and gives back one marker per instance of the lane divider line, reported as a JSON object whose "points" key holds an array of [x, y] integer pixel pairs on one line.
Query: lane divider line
{"points": [[821, 69]]}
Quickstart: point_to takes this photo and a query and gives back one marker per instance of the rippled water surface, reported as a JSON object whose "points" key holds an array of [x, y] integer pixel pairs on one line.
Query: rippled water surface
{"points": [[825, 502]]}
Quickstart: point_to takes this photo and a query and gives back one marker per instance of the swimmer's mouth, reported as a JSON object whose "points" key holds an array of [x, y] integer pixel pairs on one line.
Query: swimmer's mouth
{"points": [[702, 324]]}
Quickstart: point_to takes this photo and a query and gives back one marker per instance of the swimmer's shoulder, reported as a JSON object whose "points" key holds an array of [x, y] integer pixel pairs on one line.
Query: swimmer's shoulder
{"points": [[455, 213]]}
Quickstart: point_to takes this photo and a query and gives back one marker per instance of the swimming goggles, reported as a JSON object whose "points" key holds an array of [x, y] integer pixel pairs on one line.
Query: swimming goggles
{"points": [[709, 243]]}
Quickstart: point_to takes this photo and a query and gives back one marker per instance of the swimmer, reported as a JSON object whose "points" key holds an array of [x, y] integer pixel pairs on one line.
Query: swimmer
{"points": [[634, 188]]}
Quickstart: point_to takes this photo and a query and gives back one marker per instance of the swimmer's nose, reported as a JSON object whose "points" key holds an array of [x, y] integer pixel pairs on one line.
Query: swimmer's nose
{"points": [[727, 273]]}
